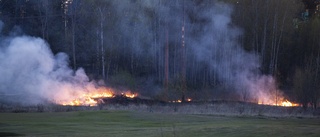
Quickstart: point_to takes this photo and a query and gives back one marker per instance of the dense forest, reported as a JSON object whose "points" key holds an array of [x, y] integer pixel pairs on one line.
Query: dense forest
{"points": [[204, 49]]}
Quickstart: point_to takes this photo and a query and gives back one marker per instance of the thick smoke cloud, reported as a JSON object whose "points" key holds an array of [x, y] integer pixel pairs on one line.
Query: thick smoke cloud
{"points": [[210, 36], [31, 74]]}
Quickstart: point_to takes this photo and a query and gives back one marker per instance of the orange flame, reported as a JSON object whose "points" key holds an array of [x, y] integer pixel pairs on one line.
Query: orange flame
{"points": [[274, 97], [129, 94], [87, 99], [281, 102], [287, 103], [91, 98]]}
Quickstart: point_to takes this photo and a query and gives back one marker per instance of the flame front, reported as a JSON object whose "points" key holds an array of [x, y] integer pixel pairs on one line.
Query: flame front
{"points": [[287, 103], [87, 99], [91, 98], [283, 103], [279, 101]]}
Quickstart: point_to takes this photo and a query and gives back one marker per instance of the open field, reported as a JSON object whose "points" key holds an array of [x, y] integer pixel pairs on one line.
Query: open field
{"points": [[137, 124]]}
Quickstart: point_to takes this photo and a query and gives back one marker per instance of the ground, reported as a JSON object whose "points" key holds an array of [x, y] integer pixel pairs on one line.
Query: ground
{"points": [[137, 124]]}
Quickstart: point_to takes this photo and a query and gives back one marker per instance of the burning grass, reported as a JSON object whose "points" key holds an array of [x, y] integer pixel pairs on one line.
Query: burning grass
{"points": [[221, 108], [133, 123], [92, 99]]}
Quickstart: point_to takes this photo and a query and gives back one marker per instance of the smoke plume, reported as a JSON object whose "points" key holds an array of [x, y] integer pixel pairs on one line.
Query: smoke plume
{"points": [[211, 37], [31, 74]]}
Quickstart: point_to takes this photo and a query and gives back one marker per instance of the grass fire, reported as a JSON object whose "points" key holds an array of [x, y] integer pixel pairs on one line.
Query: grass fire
{"points": [[160, 68], [282, 103], [276, 100], [92, 99]]}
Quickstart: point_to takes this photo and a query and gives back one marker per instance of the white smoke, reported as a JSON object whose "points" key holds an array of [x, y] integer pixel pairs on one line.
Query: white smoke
{"points": [[219, 46], [211, 37], [31, 74]]}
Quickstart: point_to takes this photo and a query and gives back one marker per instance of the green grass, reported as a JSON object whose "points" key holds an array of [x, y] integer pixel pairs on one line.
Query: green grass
{"points": [[138, 124]]}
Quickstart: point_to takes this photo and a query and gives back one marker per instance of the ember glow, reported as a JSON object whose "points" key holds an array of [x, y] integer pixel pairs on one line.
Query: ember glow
{"points": [[180, 101], [175, 101], [128, 94]]}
